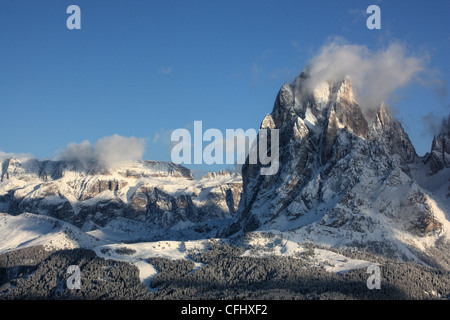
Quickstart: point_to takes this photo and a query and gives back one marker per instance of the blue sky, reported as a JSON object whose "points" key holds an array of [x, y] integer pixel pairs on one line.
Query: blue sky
{"points": [[143, 68]]}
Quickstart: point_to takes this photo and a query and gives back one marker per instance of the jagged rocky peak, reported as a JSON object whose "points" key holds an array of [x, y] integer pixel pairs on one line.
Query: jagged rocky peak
{"points": [[327, 103], [390, 133], [441, 142], [383, 119], [345, 92], [346, 110], [268, 122], [283, 101], [339, 177], [331, 91], [323, 111], [439, 156]]}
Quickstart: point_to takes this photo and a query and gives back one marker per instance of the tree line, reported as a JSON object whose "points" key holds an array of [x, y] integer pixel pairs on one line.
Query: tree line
{"points": [[34, 273]]}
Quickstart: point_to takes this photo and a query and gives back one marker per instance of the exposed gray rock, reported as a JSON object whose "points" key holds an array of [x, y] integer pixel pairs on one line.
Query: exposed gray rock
{"points": [[340, 177], [159, 193], [439, 156]]}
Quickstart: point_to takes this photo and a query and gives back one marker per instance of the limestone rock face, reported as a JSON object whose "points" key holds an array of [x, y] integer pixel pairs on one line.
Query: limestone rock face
{"points": [[439, 156], [161, 194], [391, 134], [341, 178]]}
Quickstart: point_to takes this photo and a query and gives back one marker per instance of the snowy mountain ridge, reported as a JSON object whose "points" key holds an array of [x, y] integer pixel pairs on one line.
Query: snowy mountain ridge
{"points": [[158, 194]]}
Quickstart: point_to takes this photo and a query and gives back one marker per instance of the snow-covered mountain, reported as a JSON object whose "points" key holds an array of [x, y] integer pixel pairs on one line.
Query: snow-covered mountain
{"points": [[350, 192], [345, 179], [158, 194]]}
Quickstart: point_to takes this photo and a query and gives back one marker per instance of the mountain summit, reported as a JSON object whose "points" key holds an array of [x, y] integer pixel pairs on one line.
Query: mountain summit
{"points": [[343, 180]]}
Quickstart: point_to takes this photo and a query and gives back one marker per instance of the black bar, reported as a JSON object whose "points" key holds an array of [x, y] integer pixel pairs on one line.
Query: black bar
{"points": [[222, 309]]}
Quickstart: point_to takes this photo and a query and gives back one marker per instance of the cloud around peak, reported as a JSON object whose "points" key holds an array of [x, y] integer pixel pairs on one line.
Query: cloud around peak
{"points": [[376, 75], [108, 152]]}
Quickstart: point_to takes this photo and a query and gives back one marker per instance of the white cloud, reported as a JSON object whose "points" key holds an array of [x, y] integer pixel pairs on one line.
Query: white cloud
{"points": [[115, 150], [376, 75], [432, 123], [82, 153], [108, 152], [6, 155]]}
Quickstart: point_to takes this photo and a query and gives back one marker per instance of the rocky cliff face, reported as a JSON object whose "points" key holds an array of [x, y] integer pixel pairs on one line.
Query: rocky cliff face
{"points": [[158, 193], [342, 180], [439, 156]]}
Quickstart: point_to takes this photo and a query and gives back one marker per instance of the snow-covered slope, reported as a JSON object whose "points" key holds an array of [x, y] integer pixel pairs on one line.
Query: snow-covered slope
{"points": [[262, 245], [29, 230]]}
